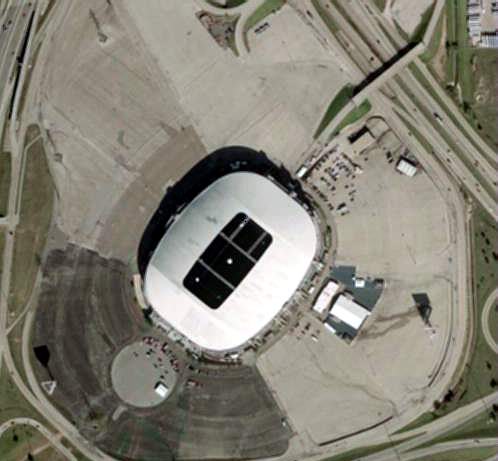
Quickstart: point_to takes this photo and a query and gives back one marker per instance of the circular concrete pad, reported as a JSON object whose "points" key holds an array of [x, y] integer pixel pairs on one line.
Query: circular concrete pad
{"points": [[139, 368]]}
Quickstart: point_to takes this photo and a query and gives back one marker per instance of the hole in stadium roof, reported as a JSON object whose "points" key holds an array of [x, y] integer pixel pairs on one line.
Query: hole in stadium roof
{"points": [[227, 260]]}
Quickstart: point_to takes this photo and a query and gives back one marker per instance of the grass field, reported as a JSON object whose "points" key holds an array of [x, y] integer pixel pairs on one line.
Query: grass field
{"points": [[19, 441], [340, 100], [354, 115], [483, 111], [12, 402], [268, 7], [5, 166], [35, 216], [471, 76], [49, 454]]}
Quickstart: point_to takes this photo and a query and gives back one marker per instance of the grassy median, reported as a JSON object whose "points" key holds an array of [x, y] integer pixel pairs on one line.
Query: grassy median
{"points": [[338, 103], [36, 203], [5, 168], [355, 115], [265, 9]]}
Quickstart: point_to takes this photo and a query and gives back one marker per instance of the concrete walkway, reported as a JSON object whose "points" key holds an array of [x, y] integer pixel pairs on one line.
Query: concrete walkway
{"points": [[490, 302]]}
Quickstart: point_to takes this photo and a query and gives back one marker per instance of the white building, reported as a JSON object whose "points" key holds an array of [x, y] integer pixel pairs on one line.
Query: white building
{"points": [[230, 261], [489, 40], [349, 312], [161, 390], [325, 297], [407, 167]]}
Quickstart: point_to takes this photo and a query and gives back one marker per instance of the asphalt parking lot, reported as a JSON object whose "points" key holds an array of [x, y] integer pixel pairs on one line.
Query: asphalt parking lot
{"points": [[214, 412]]}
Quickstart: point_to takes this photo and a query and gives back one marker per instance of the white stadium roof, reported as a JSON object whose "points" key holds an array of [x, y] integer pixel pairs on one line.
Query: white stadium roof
{"points": [[251, 240]]}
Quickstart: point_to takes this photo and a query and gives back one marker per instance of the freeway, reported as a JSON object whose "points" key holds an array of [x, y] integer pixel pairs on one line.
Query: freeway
{"points": [[446, 123], [443, 151], [464, 163], [373, 17], [457, 114], [476, 158], [52, 438], [12, 30], [423, 453], [437, 428]]}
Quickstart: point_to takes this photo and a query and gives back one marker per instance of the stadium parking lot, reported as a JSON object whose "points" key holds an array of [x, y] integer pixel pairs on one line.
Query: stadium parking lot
{"points": [[212, 411], [397, 229]]}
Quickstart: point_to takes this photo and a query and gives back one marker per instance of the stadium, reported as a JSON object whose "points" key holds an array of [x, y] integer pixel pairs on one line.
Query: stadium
{"points": [[230, 260]]}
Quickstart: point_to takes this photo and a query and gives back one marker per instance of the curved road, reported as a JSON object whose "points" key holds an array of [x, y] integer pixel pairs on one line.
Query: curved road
{"points": [[244, 12], [52, 438], [490, 302]]}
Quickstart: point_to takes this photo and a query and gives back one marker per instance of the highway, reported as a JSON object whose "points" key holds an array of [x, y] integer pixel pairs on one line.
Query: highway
{"points": [[463, 163], [482, 159], [422, 453], [16, 18], [369, 10]]}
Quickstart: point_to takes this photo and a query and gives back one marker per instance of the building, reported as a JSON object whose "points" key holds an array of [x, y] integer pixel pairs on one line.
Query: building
{"points": [[489, 40], [324, 299], [231, 260], [406, 167], [161, 390], [346, 317], [474, 11], [363, 142]]}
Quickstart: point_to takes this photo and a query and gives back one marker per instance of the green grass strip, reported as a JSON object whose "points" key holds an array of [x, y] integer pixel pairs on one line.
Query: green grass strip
{"points": [[340, 100]]}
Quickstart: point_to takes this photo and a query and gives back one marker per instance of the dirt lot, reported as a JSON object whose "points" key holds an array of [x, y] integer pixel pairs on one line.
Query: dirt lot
{"points": [[229, 414]]}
